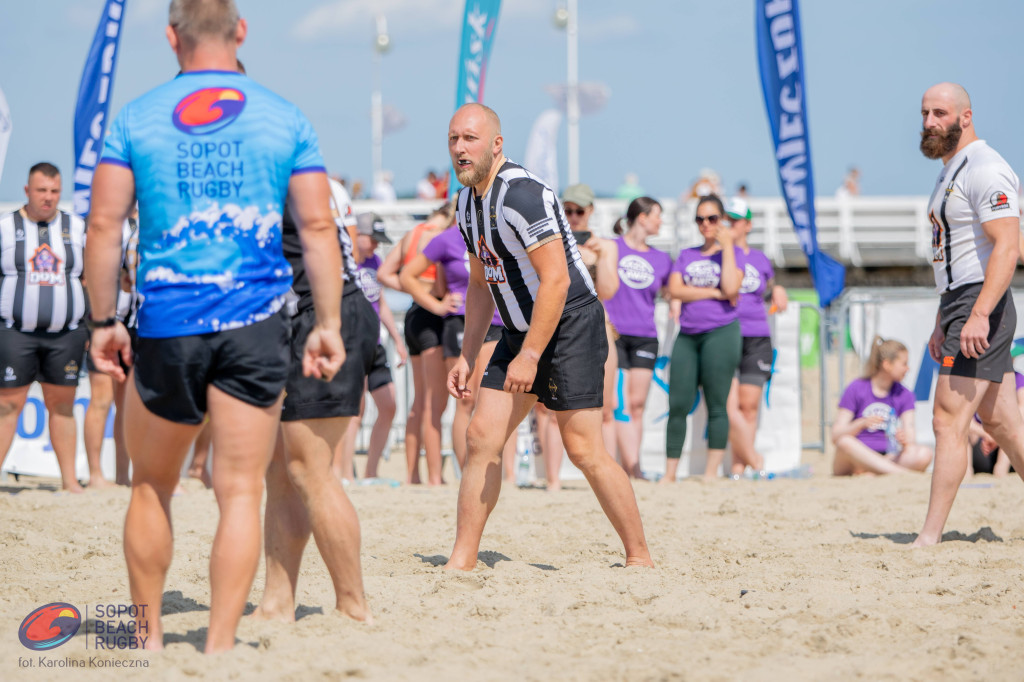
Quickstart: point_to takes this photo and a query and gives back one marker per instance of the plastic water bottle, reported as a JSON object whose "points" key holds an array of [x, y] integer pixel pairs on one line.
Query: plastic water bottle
{"points": [[524, 441], [802, 471], [893, 446]]}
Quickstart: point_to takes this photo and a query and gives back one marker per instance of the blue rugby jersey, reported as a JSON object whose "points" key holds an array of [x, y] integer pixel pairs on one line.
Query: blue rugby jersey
{"points": [[212, 153]]}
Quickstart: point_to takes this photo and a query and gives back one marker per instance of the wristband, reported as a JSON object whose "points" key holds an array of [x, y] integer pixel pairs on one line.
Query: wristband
{"points": [[100, 324]]}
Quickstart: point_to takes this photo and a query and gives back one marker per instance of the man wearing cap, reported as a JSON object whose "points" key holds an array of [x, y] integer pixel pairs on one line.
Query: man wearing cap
{"points": [[370, 231], [975, 220], [756, 290]]}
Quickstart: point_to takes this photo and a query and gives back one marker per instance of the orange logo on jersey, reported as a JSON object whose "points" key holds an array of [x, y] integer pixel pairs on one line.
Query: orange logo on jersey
{"points": [[494, 272], [947, 361], [45, 268]]}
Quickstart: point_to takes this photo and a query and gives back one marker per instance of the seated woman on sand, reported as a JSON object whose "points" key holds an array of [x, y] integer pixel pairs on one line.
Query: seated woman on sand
{"points": [[874, 428]]}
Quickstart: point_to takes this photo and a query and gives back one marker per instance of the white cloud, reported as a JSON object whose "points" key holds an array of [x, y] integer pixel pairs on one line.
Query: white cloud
{"points": [[607, 28], [327, 20]]}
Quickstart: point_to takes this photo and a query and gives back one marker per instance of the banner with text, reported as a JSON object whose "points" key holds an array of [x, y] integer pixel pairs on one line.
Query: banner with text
{"points": [[93, 103], [478, 25], [780, 61]]}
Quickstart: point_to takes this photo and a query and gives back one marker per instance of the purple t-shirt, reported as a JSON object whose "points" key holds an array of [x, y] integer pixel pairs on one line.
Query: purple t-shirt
{"points": [[448, 250], [703, 271], [366, 278], [862, 401], [756, 275], [642, 274]]}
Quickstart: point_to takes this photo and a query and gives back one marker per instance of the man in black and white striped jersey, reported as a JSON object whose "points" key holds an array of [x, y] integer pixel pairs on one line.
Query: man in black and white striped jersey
{"points": [[523, 258], [42, 304]]}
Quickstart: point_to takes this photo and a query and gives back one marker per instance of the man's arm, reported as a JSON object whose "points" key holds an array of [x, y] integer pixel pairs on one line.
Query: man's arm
{"points": [[1005, 250], [387, 318], [113, 195], [553, 272], [309, 202]]}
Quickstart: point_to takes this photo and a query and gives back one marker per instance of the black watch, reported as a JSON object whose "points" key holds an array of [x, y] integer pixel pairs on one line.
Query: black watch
{"points": [[100, 324]]}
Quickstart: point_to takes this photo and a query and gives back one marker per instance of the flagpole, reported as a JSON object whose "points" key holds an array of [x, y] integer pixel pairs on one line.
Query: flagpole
{"points": [[381, 44], [573, 92]]}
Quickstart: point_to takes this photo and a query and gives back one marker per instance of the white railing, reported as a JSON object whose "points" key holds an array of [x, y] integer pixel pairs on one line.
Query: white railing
{"points": [[858, 231]]}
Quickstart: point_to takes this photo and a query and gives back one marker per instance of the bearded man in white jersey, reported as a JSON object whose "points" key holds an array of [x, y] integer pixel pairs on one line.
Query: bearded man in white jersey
{"points": [[523, 259], [975, 225]]}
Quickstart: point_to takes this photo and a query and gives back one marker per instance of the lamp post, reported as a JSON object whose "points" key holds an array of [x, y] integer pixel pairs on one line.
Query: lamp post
{"points": [[567, 17], [381, 44]]}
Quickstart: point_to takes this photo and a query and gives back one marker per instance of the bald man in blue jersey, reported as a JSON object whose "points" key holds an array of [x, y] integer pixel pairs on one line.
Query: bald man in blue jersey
{"points": [[211, 156]]}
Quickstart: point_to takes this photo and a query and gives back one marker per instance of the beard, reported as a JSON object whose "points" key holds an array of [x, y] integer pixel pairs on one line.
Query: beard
{"points": [[936, 144], [477, 173]]}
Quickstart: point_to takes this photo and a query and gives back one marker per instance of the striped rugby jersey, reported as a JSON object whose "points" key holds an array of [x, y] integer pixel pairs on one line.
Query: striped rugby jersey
{"points": [[41, 266], [518, 214], [976, 186]]}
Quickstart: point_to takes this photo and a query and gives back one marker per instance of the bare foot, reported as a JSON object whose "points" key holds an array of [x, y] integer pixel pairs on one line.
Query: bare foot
{"points": [[76, 488], [665, 480], [98, 482], [553, 487], [453, 565], [924, 541], [641, 562], [357, 610], [281, 615]]}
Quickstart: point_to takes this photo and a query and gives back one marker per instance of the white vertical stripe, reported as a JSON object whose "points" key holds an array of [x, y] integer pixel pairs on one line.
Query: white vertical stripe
{"points": [[58, 312], [30, 301], [10, 275]]}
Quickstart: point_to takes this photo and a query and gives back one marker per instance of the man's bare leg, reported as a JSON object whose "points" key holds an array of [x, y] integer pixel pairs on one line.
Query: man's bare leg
{"points": [[481, 478], [956, 401], [309, 445], [94, 426], [581, 433], [1001, 417], [157, 448], [12, 400], [243, 438], [60, 403], [122, 474]]}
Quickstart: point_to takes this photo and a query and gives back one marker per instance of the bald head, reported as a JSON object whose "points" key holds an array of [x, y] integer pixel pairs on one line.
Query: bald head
{"points": [[475, 145], [483, 116], [951, 94], [946, 121]]}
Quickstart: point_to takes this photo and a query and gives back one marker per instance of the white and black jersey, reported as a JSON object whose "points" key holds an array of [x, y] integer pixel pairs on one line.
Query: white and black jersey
{"points": [[42, 269], [300, 297], [128, 302], [518, 214], [976, 186]]}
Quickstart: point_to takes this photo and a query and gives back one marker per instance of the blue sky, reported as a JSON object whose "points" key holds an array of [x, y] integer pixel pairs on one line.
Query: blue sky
{"points": [[685, 93]]}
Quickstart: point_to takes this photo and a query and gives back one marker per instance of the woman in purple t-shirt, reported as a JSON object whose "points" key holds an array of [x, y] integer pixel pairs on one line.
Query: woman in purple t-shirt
{"points": [[448, 251], [756, 360], [874, 428], [707, 351], [643, 275]]}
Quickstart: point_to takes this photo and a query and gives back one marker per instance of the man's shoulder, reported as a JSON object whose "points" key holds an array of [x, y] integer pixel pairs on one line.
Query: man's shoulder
{"points": [[981, 158], [74, 221]]}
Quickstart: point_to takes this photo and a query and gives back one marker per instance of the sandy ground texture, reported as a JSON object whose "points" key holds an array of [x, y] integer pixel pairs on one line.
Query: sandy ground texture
{"points": [[756, 580]]}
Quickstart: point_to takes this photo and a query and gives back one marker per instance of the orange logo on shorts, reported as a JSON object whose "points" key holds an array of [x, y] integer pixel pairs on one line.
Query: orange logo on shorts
{"points": [[947, 361]]}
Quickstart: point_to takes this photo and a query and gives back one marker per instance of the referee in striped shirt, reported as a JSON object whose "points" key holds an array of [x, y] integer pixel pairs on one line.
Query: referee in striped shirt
{"points": [[42, 304], [523, 258]]}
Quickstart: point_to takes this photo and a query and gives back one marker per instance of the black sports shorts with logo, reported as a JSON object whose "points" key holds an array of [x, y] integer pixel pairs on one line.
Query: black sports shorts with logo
{"points": [[640, 352], [756, 361], [311, 398], [570, 373], [248, 363], [51, 357], [380, 369], [954, 309], [455, 329], [423, 329]]}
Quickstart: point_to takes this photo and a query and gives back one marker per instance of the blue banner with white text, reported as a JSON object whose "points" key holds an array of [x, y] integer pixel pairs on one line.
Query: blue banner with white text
{"points": [[93, 103], [478, 26], [780, 61]]}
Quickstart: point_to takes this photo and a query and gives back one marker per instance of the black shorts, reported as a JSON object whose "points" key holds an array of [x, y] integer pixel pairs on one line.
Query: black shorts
{"points": [[423, 330], [640, 352], [51, 357], [756, 361], [954, 309], [380, 370], [310, 398], [248, 363], [455, 327], [570, 373]]}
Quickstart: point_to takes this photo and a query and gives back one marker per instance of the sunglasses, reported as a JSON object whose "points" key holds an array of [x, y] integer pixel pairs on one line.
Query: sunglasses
{"points": [[575, 211], [712, 219]]}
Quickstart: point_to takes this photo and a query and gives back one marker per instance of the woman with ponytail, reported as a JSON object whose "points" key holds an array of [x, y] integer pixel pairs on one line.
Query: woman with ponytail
{"points": [[874, 431]]}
